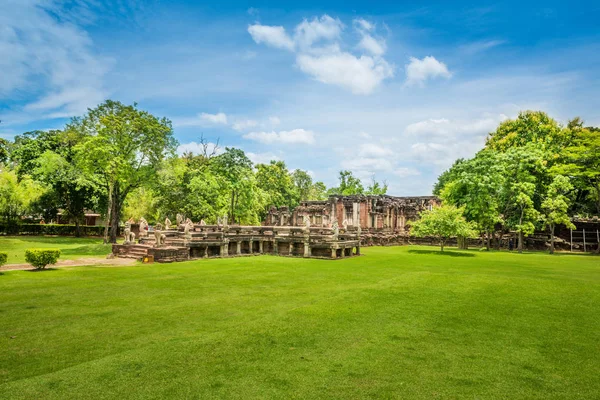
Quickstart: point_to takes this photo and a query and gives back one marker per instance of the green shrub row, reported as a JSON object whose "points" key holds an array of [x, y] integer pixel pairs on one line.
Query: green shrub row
{"points": [[3, 258], [51, 229], [40, 258]]}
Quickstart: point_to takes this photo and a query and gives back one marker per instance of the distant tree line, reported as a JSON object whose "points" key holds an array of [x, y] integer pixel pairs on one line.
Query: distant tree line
{"points": [[533, 173], [121, 161]]}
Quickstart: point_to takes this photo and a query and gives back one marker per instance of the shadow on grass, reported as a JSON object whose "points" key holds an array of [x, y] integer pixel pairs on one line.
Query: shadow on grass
{"points": [[442, 253], [41, 269]]}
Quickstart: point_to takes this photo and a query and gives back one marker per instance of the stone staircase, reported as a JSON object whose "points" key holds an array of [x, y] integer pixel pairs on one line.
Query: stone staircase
{"points": [[136, 251]]}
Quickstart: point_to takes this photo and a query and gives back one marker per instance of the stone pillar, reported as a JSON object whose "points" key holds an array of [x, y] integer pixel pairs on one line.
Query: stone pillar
{"points": [[334, 210], [251, 244], [275, 247], [206, 252], [291, 251], [358, 250], [260, 246], [355, 215], [238, 249], [225, 249], [307, 249], [333, 250]]}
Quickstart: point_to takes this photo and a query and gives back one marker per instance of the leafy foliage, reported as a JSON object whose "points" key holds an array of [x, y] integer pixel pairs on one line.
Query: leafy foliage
{"points": [[17, 196], [442, 222], [40, 258], [3, 258], [122, 148]]}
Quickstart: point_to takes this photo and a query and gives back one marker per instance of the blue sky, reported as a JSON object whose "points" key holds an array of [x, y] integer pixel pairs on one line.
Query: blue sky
{"points": [[395, 91]]}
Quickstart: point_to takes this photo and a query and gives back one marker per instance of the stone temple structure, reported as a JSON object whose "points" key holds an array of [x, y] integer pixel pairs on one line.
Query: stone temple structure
{"points": [[189, 241], [383, 219]]}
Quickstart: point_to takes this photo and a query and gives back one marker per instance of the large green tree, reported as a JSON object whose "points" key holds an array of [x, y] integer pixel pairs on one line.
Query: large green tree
{"points": [[246, 200], [442, 223], [476, 185], [555, 206], [581, 161], [122, 149], [348, 185], [277, 184], [530, 128], [17, 195]]}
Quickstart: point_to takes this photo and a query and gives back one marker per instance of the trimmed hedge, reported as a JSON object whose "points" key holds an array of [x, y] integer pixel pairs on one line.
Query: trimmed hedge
{"points": [[39, 258], [51, 229], [3, 258]]}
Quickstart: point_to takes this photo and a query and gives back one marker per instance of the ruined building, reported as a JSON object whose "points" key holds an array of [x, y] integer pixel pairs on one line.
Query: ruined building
{"points": [[383, 219]]}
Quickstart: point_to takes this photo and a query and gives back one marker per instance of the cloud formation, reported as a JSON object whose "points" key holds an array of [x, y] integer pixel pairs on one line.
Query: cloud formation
{"points": [[419, 71], [296, 136], [441, 141], [317, 45], [50, 58], [274, 36], [219, 118]]}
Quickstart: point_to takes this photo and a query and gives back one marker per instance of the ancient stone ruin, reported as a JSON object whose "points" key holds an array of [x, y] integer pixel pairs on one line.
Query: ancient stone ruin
{"points": [[382, 219], [191, 241]]}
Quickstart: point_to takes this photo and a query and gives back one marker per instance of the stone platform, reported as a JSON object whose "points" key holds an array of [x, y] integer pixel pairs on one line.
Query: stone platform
{"points": [[208, 241]]}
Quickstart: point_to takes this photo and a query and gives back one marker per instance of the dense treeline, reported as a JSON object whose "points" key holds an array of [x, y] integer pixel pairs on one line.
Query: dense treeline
{"points": [[533, 173], [121, 161]]}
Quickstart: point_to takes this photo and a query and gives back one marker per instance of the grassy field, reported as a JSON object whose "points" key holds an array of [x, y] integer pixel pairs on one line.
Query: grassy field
{"points": [[71, 248], [399, 322]]}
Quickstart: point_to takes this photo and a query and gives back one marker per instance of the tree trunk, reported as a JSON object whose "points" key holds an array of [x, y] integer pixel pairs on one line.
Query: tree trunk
{"points": [[77, 227], [487, 242], [442, 245], [552, 239], [115, 214], [232, 205], [108, 212], [520, 247], [462, 242]]}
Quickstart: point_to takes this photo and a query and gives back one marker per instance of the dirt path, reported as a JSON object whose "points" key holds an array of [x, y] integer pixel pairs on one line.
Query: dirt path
{"points": [[80, 262]]}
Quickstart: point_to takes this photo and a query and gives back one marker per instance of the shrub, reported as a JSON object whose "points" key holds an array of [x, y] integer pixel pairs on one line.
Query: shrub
{"points": [[39, 258], [50, 229], [3, 258]]}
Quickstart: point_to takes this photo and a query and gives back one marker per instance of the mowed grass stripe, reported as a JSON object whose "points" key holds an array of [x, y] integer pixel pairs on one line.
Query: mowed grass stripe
{"points": [[398, 322]]}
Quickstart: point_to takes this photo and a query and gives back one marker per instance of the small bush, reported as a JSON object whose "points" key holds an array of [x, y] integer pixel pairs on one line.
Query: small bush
{"points": [[3, 258], [39, 258]]}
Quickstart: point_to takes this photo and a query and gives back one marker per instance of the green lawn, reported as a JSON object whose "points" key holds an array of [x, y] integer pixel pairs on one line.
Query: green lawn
{"points": [[71, 248], [399, 322]]}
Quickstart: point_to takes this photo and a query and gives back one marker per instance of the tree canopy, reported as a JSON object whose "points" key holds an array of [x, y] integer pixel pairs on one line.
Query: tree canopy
{"points": [[442, 223]]}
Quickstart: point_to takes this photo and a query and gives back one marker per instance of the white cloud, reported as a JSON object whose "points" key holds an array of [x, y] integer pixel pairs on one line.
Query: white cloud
{"points": [[243, 125], [361, 75], [363, 24], [480, 46], [371, 45], [219, 118], [319, 54], [197, 148], [45, 53], [274, 121], [365, 135], [262, 158], [368, 43], [404, 172], [447, 128], [274, 36], [296, 136], [374, 150], [419, 71], [366, 166], [323, 28], [442, 140]]}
